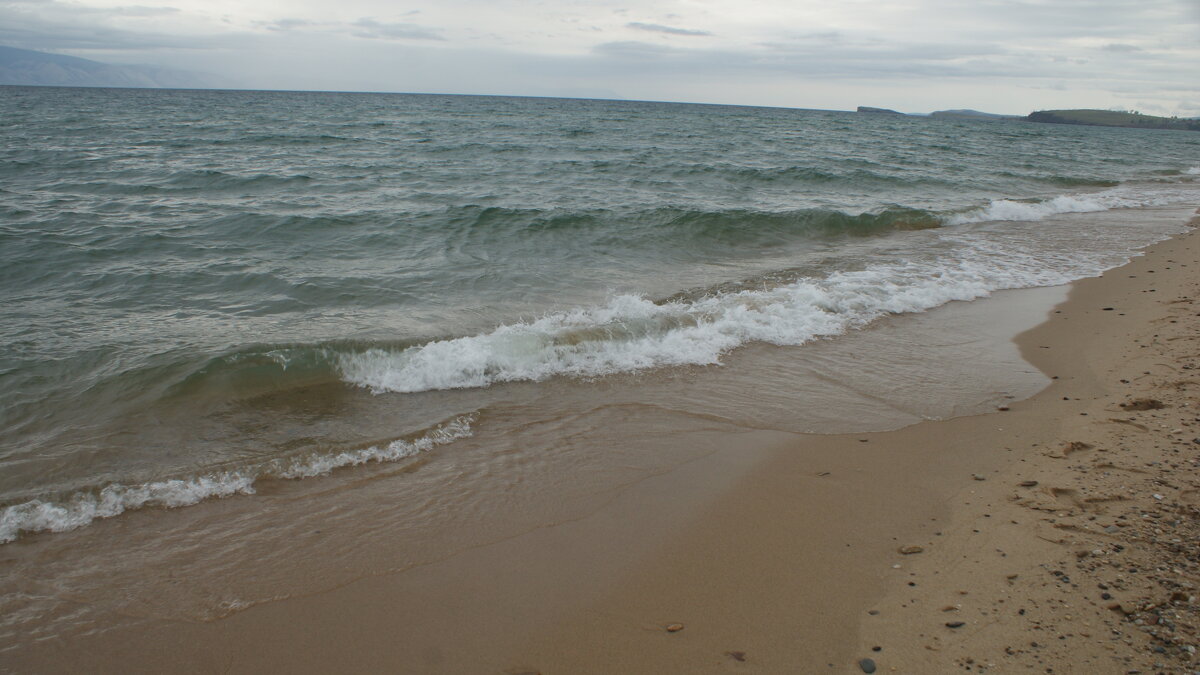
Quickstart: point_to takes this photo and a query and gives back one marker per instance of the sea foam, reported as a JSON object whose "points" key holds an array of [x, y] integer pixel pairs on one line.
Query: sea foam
{"points": [[632, 333], [1011, 210], [83, 507]]}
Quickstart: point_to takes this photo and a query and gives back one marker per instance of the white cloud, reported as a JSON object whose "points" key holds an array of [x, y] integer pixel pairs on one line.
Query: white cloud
{"points": [[1005, 55]]}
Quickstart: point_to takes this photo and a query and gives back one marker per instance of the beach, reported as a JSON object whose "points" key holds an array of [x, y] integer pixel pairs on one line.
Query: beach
{"points": [[441, 384], [1055, 533]]}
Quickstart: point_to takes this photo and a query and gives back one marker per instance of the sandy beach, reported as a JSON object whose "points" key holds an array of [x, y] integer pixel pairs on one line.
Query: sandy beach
{"points": [[1055, 534]]}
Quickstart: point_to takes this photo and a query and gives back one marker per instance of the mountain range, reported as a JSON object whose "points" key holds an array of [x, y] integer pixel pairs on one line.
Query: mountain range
{"points": [[27, 67]]}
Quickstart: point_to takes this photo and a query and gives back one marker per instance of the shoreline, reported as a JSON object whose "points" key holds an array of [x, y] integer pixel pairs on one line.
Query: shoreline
{"points": [[1082, 552], [782, 568], [1017, 566]]}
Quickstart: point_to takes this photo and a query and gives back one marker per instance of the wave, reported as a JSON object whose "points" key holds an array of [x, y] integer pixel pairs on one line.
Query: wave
{"points": [[632, 333], [680, 225], [1011, 209], [83, 507]]}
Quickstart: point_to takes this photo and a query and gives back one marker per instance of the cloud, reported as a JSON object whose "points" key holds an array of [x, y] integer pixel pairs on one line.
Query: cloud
{"points": [[372, 29], [779, 52], [54, 25], [669, 30], [283, 25]]}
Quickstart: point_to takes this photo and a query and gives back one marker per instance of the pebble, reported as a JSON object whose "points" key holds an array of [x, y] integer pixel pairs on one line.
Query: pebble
{"points": [[955, 624], [911, 549], [978, 476], [1029, 483], [674, 627], [867, 665]]}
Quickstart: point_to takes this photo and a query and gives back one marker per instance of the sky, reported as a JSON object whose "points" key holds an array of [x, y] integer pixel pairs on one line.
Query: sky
{"points": [[1005, 56]]}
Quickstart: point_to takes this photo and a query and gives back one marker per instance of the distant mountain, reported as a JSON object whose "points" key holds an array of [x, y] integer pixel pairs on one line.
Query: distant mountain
{"points": [[1113, 118], [26, 67], [885, 111], [971, 115]]}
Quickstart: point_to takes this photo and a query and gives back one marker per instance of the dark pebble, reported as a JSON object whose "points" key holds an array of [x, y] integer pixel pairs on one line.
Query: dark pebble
{"points": [[867, 665], [956, 624], [1106, 596]]}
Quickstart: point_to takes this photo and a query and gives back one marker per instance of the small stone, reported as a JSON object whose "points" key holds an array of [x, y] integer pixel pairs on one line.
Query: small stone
{"points": [[1112, 529], [674, 627], [978, 476], [1143, 404], [867, 665], [1029, 483], [737, 656], [955, 624], [911, 549]]}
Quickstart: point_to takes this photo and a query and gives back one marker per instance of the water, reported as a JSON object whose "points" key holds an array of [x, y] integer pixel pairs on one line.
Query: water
{"points": [[205, 293]]}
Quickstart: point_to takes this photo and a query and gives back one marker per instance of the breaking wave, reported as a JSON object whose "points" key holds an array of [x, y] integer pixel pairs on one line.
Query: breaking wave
{"points": [[82, 507], [632, 333]]}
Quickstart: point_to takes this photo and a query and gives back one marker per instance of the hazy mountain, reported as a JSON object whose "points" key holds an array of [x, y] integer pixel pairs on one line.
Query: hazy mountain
{"points": [[26, 67], [970, 115]]}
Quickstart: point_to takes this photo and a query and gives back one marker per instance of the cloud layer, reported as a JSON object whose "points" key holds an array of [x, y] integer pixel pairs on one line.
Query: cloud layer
{"points": [[1003, 55]]}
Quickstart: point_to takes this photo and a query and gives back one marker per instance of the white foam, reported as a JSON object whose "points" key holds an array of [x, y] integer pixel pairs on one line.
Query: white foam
{"points": [[1009, 210], [321, 465], [1193, 171], [81, 508], [84, 507], [631, 333]]}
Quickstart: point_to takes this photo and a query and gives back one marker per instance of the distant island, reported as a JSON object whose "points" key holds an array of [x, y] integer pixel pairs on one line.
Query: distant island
{"points": [[1097, 118], [1113, 118]]}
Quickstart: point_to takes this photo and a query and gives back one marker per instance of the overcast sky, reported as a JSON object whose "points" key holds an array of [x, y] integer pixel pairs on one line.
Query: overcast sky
{"points": [[1008, 56]]}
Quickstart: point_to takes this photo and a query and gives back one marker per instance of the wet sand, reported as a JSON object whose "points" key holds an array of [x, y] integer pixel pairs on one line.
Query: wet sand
{"points": [[795, 566]]}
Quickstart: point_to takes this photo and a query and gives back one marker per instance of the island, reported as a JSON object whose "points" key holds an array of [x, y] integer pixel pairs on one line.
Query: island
{"points": [[1113, 118]]}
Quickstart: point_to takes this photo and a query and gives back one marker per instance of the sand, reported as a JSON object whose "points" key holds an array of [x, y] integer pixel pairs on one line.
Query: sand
{"points": [[796, 564], [1058, 535]]}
